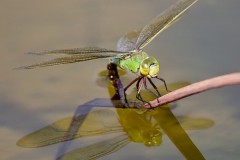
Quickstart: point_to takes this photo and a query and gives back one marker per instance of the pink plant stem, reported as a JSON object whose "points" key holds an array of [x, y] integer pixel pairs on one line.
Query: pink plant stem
{"points": [[216, 82]]}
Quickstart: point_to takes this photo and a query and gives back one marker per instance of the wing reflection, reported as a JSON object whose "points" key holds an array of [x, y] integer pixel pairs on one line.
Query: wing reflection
{"points": [[95, 123]]}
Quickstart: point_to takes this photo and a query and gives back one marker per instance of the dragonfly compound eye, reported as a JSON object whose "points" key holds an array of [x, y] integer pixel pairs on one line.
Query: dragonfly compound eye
{"points": [[149, 67]]}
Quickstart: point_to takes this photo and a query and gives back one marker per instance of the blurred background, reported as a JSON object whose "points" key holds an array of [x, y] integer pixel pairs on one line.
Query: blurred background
{"points": [[203, 44]]}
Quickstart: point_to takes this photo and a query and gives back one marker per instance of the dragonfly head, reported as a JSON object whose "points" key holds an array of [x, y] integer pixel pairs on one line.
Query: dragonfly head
{"points": [[149, 67]]}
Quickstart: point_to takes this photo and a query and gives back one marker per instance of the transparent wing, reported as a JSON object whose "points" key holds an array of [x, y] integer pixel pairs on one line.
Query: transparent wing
{"points": [[161, 22], [127, 42], [77, 51], [95, 123], [97, 150], [75, 55], [71, 59]]}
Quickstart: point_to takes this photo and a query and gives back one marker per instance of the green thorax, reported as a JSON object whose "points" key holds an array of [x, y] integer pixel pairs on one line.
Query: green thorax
{"points": [[131, 63]]}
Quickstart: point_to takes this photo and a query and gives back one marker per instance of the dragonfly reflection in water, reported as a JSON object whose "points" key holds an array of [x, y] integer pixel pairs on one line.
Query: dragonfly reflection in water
{"points": [[129, 54], [135, 126]]}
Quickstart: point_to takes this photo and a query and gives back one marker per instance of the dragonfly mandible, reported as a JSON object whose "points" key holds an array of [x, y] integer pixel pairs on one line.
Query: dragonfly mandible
{"points": [[129, 54]]}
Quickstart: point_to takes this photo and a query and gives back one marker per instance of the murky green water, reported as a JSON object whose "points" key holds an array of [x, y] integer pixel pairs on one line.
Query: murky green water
{"points": [[203, 44]]}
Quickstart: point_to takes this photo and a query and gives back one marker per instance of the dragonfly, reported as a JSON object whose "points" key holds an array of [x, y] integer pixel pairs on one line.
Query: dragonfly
{"points": [[129, 54]]}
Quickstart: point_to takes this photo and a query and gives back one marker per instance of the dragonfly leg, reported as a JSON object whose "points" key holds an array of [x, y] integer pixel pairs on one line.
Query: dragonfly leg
{"points": [[138, 95], [154, 86], [164, 82], [129, 85], [142, 82]]}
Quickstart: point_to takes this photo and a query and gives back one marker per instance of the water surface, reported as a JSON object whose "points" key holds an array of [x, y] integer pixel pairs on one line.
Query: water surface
{"points": [[203, 44]]}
